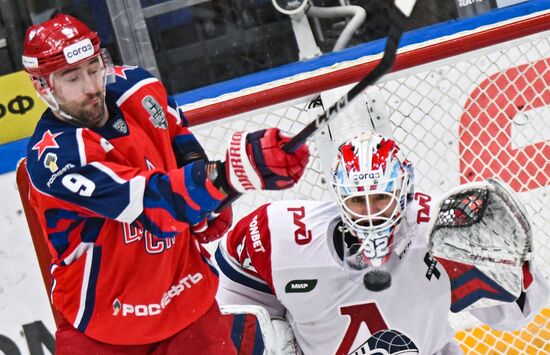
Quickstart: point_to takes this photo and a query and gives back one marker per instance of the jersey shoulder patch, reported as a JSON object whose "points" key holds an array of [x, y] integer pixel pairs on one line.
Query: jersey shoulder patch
{"points": [[52, 152]]}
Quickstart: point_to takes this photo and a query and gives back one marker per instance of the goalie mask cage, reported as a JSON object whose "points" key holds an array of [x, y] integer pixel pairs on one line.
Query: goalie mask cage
{"points": [[463, 107]]}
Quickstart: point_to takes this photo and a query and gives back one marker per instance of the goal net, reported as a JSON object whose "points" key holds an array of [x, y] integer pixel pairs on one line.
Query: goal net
{"points": [[464, 107]]}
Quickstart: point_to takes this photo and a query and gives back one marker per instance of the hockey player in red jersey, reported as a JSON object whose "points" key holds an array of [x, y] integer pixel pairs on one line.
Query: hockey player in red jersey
{"points": [[125, 193], [355, 275]]}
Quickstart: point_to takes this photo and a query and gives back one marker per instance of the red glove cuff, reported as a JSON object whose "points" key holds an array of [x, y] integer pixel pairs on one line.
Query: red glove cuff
{"points": [[527, 276], [214, 228]]}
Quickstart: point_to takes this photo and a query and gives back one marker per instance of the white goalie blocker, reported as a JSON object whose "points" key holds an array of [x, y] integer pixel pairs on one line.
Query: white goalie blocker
{"points": [[480, 230]]}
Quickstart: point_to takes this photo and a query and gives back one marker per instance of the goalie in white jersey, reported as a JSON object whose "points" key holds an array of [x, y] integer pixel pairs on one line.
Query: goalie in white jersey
{"points": [[355, 276]]}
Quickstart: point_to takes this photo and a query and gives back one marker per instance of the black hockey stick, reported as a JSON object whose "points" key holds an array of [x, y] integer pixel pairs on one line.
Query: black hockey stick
{"points": [[398, 13]]}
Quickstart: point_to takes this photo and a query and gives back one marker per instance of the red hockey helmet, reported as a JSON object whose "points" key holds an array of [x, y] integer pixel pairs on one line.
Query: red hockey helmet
{"points": [[56, 44]]}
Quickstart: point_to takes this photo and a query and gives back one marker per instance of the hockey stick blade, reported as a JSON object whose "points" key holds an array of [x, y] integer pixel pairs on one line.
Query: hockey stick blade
{"points": [[398, 13]]}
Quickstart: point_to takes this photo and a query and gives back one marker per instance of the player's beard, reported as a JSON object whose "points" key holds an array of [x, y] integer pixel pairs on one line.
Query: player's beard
{"points": [[91, 112]]}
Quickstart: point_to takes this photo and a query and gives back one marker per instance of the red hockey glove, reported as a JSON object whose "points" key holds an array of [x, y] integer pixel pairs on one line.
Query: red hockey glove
{"points": [[213, 228], [256, 161]]}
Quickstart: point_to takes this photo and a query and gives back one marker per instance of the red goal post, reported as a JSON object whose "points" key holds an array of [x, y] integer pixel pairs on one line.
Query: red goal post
{"points": [[464, 106]]}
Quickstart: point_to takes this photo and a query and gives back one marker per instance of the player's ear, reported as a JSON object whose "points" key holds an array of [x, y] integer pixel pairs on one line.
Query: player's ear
{"points": [[39, 84]]}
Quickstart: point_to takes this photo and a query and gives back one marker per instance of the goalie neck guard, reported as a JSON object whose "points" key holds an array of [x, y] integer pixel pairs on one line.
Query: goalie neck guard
{"points": [[373, 183]]}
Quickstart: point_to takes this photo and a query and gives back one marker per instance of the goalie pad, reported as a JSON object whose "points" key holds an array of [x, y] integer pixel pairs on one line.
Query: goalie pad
{"points": [[481, 235], [264, 322], [277, 335], [285, 341]]}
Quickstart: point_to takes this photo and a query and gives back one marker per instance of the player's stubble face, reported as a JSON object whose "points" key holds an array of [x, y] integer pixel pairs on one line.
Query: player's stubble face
{"points": [[80, 92]]}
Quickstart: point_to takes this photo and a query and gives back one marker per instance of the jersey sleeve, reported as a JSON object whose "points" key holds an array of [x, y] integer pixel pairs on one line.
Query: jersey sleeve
{"points": [[132, 83], [78, 172], [518, 314], [184, 143], [243, 258]]}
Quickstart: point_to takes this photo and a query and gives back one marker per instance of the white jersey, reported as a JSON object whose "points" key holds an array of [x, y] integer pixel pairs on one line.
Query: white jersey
{"points": [[282, 256]]}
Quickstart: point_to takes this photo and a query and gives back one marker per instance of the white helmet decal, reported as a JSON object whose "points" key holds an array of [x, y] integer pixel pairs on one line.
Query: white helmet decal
{"points": [[372, 182]]}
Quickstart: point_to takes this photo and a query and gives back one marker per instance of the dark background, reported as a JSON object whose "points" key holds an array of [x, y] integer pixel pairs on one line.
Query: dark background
{"points": [[213, 41]]}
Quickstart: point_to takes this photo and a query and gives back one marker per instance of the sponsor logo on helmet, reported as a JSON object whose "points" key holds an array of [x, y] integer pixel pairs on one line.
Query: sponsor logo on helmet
{"points": [[359, 176], [78, 51], [300, 286], [29, 62]]}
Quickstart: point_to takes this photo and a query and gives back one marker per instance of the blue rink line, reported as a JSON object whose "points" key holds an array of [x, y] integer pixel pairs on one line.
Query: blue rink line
{"points": [[10, 153]]}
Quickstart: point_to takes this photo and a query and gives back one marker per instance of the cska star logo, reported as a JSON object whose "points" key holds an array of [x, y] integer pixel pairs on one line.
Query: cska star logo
{"points": [[47, 142], [121, 70]]}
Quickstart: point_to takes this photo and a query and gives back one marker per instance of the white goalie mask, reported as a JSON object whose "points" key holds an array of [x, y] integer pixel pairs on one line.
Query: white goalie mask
{"points": [[372, 182]]}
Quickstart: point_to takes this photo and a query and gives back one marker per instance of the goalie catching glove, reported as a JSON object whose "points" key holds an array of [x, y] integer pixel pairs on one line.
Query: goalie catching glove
{"points": [[481, 235], [256, 161]]}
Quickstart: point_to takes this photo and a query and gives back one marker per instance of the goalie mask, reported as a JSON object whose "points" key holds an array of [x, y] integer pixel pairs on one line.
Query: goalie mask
{"points": [[62, 43], [372, 182]]}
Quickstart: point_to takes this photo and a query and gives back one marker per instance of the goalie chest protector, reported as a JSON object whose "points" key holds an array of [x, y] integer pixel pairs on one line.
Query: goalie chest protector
{"points": [[330, 309]]}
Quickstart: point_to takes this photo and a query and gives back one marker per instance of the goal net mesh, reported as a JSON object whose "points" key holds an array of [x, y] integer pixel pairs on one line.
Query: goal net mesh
{"points": [[483, 114]]}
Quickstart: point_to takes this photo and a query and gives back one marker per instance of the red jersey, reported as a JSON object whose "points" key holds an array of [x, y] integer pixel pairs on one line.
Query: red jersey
{"points": [[116, 203]]}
